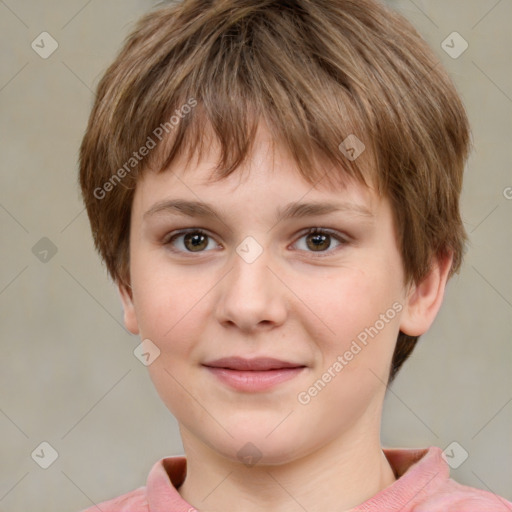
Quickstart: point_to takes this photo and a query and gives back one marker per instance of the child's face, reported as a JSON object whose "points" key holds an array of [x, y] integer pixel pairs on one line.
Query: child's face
{"points": [[306, 307]]}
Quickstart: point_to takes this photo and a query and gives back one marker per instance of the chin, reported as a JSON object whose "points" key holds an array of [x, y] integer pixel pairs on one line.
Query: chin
{"points": [[259, 445], [263, 452]]}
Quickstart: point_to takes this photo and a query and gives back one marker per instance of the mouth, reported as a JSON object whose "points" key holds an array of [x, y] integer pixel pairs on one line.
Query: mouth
{"points": [[252, 375], [258, 364]]}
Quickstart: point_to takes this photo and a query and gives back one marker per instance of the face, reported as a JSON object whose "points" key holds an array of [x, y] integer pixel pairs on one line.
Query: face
{"points": [[269, 333]]}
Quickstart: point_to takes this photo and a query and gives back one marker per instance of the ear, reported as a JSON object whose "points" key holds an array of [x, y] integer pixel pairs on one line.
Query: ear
{"points": [[130, 318], [425, 298]]}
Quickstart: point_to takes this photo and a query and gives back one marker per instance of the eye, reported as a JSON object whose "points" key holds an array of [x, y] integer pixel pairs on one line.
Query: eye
{"points": [[196, 240], [320, 240], [193, 240]]}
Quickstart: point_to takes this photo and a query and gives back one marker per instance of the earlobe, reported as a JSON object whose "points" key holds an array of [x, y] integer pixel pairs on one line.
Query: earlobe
{"points": [[130, 318], [425, 298]]}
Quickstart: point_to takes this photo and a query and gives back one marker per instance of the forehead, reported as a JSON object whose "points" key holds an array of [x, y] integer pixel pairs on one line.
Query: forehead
{"points": [[269, 175], [277, 190]]}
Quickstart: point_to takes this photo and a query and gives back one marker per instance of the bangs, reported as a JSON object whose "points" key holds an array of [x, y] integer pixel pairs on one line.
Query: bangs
{"points": [[234, 135]]}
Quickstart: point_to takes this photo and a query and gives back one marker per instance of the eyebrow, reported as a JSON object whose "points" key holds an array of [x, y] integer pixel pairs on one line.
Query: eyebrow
{"points": [[294, 210]]}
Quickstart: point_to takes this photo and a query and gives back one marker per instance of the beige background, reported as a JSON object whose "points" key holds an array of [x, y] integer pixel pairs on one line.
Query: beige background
{"points": [[68, 375]]}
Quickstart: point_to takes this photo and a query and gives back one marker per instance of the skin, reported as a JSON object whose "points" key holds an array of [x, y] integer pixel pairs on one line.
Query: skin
{"points": [[293, 303]]}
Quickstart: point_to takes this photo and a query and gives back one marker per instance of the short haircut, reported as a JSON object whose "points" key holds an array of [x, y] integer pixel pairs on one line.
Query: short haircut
{"points": [[317, 71]]}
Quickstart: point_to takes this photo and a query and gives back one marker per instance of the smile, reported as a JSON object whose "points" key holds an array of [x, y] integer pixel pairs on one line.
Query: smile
{"points": [[253, 375]]}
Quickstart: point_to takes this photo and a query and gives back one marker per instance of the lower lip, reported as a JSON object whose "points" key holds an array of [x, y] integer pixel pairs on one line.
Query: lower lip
{"points": [[254, 380]]}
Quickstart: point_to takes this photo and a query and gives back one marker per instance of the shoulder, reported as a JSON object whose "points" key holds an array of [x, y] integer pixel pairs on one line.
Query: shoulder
{"points": [[454, 497], [424, 485], [160, 490], [134, 501]]}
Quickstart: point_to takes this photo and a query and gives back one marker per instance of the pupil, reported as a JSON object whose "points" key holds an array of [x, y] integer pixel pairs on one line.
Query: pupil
{"points": [[318, 240], [196, 239]]}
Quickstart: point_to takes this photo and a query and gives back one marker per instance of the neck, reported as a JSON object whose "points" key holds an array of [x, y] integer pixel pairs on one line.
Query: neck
{"points": [[338, 476]]}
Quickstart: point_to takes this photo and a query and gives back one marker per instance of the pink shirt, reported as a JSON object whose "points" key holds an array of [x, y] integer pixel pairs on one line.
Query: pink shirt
{"points": [[424, 485]]}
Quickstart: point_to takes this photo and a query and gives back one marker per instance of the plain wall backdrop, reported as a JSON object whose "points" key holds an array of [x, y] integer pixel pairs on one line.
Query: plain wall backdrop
{"points": [[68, 375]]}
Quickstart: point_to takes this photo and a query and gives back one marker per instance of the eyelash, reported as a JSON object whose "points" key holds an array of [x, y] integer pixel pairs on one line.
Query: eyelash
{"points": [[334, 234]]}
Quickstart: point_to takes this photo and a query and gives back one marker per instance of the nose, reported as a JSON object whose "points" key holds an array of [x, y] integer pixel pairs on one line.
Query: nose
{"points": [[251, 297]]}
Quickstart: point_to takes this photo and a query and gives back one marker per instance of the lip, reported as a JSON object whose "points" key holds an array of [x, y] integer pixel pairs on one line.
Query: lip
{"points": [[255, 364], [252, 375]]}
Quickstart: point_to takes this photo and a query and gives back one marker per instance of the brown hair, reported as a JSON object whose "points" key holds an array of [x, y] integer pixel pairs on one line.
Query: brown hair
{"points": [[316, 71]]}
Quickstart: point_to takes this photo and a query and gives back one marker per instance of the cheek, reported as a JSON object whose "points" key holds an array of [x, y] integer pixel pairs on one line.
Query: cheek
{"points": [[169, 305], [362, 312], [171, 312]]}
